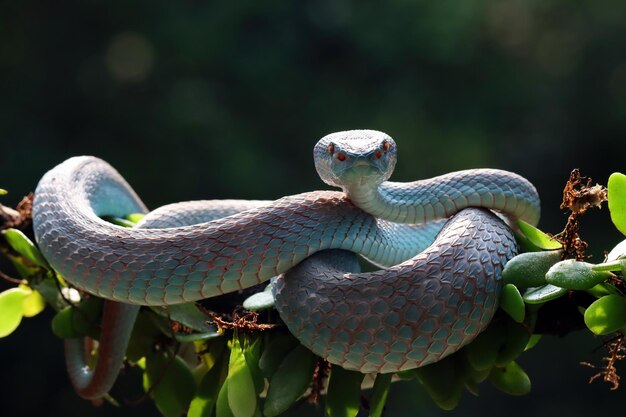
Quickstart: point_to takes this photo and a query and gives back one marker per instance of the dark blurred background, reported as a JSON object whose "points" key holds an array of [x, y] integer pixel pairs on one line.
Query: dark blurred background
{"points": [[192, 100]]}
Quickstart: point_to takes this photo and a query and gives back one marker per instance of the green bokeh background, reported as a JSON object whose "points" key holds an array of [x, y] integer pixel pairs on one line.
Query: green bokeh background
{"points": [[193, 100]]}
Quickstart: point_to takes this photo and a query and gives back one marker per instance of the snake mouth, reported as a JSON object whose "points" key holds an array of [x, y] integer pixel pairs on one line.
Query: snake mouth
{"points": [[361, 163], [365, 168], [360, 172]]}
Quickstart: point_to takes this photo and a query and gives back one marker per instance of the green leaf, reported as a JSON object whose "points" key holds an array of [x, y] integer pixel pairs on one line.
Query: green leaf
{"points": [[475, 376], [344, 393], [251, 345], [618, 252], [222, 406], [78, 321], [49, 290], [262, 300], [611, 266], [242, 397], [575, 275], [602, 289], [617, 200], [34, 303], [143, 338], [524, 244], [208, 390], [290, 380], [24, 267], [532, 342], [470, 375], [407, 374], [472, 387], [379, 394], [11, 309], [276, 351], [170, 383], [199, 371], [196, 337], [517, 337], [187, 314], [206, 396], [529, 269], [482, 352], [443, 382], [134, 217], [86, 316], [118, 221], [22, 245], [539, 295], [606, 315], [537, 237], [510, 379], [62, 324], [512, 303], [259, 301], [3, 191], [211, 351]]}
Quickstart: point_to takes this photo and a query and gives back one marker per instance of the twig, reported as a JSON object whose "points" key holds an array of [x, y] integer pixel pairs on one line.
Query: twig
{"points": [[322, 368], [578, 196], [246, 322], [9, 278], [617, 352]]}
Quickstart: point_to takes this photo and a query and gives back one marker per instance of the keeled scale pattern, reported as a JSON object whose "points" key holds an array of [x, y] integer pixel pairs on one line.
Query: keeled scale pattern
{"points": [[442, 196], [169, 266], [408, 315], [186, 213]]}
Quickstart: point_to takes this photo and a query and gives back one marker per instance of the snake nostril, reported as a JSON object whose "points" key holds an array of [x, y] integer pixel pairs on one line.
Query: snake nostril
{"points": [[341, 156]]}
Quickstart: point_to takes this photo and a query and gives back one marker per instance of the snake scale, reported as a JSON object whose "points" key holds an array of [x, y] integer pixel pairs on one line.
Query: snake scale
{"points": [[431, 298]]}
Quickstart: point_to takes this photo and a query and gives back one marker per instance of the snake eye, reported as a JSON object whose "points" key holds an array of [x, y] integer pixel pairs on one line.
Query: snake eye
{"points": [[378, 154], [386, 146], [341, 156], [331, 148]]}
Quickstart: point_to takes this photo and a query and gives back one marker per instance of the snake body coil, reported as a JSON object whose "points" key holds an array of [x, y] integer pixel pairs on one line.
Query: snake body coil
{"points": [[426, 306], [405, 316]]}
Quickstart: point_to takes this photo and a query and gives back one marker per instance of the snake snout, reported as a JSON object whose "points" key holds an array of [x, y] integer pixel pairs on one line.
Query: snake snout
{"points": [[362, 166], [361, 162]]}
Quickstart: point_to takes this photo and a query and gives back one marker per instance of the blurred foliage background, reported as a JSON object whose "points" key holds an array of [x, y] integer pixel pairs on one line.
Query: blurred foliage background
{"points": [[197, 99]]}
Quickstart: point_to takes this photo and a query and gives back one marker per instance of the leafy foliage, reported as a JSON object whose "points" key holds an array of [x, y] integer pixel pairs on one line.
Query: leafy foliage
{"points": [[617, 200], [607, 314], [512, 303], [12, 309], [290, 379], [168, 380], [344, 392], [537, 238]]}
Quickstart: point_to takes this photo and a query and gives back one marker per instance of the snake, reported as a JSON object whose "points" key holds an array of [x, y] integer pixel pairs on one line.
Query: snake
{"points": [[433, 295]]}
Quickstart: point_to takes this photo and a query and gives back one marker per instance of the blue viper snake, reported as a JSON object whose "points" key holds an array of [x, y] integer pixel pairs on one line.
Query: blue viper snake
{"points": [[442, 243]]}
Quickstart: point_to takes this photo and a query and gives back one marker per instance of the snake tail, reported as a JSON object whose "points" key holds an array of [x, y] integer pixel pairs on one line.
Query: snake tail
{"points": [[93, 383]]}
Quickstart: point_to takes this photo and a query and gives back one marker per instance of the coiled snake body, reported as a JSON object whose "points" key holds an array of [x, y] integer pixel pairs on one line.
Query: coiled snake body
{"points": [[428, 305]]}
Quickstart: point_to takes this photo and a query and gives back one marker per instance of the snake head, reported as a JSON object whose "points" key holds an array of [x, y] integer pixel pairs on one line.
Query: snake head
{"points": [[355, 158]]}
